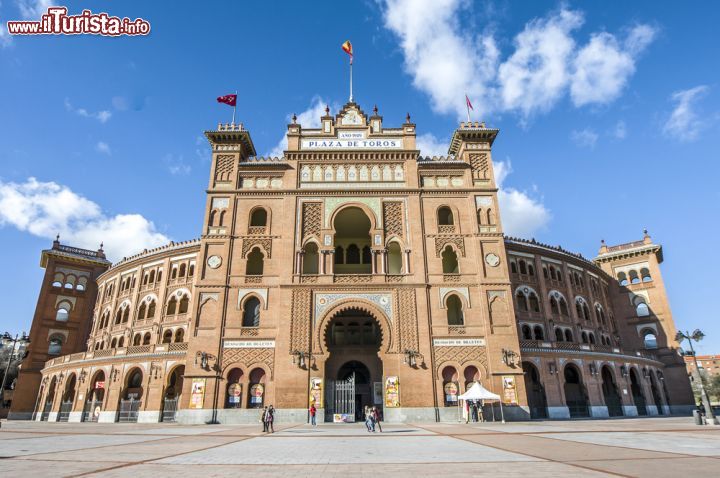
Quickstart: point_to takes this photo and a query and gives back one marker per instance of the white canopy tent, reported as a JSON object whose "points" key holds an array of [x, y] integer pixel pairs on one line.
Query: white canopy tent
{"points": [[478, 392]]}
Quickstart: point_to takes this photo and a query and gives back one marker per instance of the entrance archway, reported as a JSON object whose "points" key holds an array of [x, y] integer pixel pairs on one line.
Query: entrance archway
{"points": [[637, 393], [656, 394], [537, 401], [173, 390], [49, 400], [353, 369], [575, 396], [611, 393]]}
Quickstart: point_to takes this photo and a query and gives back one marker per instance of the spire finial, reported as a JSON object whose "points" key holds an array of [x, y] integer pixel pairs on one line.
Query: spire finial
{"points": [[375, 110], [294, 118], [407, 118], [57, 238], [327, 110], [602, 241]]}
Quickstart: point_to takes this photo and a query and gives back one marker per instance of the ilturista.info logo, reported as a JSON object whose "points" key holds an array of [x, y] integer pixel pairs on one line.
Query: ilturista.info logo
{"points": [[57, 22]]}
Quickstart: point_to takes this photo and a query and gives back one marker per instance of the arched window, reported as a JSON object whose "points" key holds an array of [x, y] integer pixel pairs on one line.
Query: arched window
{"points": [[151, 310], [539, 333], [554, 305], [634, 278], [167, 337], [622, 278], [645, 274], [63, 313], [251, 313], [146, 338], [591, 338], [82, 284], [137, 339], [113, 343], [568, 335], [353, 254], [118, 316], [531, 269], [179, 335], [339, 255], [523, 266], [55, 345], [182, 270], [649, 339], [255, 263], [641, 308], [445, 216], [449, 261], [545, 273], [126, 314], [258, 218], [521, 301], [395, 262], [584, 337], [534, 302], [366, 255], [191, 270], [152, 277], [310, 258], [526, 333], [513, 267], [142, 311], [173, 273], [172, 306], [454, 311], [184, 303], [559, 337], [563, 307], [121, 341], [586, 311]]}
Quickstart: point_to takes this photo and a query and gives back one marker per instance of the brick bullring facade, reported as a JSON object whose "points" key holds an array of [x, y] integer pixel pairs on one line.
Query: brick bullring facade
{"points": [[352, 271]]}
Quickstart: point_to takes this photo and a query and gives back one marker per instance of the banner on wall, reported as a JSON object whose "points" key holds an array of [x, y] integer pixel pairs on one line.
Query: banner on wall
{"points": [[451, 392], [392, 392], [316, 392], [234, 393], [256, 394], [509, 395], [197, 393]]}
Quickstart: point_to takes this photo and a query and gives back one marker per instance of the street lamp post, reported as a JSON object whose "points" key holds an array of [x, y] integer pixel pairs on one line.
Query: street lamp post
{"points": [[697, 336], [23, 340]]}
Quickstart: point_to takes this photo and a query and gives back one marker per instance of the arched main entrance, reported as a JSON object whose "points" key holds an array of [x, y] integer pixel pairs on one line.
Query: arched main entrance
{"points": [[353, 340], [535, 391], [656, 394], [172, 393], [575, 396], [611, 393]]}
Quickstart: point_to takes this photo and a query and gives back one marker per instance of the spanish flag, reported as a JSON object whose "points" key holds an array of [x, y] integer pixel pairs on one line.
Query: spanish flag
{"points": [[347, 48]]}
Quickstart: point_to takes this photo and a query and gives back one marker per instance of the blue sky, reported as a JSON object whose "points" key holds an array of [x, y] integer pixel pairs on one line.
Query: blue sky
{"points": [[609, 117]]}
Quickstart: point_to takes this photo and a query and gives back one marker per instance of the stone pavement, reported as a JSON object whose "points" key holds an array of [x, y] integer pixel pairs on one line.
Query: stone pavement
{"points": [[653, 447]]}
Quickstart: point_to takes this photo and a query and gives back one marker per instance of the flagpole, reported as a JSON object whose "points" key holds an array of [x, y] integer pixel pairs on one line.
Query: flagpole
{"points": [[234, 107], [467, 107], [351, 95]]}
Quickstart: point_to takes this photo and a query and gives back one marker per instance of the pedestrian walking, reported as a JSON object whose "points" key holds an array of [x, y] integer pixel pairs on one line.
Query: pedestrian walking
{"points": [[377, 417], [313, 411], [270, 418], [263, 415], [368, 419]]}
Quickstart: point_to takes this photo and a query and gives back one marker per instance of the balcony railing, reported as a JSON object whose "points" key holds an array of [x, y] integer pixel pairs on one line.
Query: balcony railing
{"points": [[580, 347], [121, 352]]}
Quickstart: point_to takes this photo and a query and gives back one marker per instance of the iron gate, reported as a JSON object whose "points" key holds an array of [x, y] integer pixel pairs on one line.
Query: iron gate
{"points": [[129, 410], [341, 399], [91, 411], [169, 409], [64, 413]]}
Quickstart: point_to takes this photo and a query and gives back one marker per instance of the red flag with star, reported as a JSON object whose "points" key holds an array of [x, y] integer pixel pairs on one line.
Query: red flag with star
{"points": [[230, 100]]}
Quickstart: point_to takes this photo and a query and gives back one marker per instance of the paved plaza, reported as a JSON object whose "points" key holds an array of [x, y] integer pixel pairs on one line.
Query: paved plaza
{"points": [[655, 447]]}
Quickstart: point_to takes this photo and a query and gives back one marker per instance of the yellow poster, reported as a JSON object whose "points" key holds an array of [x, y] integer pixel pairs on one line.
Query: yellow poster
{"points": [[197, 393], [509, 395], [316, 392], [392, 392]]}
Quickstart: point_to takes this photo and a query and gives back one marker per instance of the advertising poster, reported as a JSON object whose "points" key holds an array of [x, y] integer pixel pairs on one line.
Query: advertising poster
{"points": [[451, 392], [509, 395], [392, 392], [316, 392], [256, 394], [197, 393], [234, 393], [377, 393]]}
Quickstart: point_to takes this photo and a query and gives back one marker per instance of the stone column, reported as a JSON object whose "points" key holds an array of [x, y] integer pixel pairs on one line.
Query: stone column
{"points": [[406, 261]]}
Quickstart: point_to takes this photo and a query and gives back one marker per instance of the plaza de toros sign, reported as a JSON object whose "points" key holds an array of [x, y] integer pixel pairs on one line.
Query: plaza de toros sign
{"points": [[352, 140]]}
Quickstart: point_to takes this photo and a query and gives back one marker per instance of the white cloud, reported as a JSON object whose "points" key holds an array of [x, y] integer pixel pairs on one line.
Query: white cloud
{"points": [[603, 66], [45, 209], [5, 38], [103, 147], [684, 122], [177, 165], [521, 214], [429, 145], [620, 130], [584, 138], [446, 61], [310, 118], [102, 116], [33, 9], [536, 75]]}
